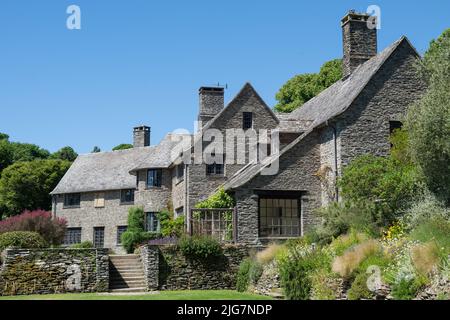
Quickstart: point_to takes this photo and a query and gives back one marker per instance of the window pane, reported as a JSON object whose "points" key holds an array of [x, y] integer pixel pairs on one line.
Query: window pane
{"points": [[279, 218], [99, 236], [120, 231]]}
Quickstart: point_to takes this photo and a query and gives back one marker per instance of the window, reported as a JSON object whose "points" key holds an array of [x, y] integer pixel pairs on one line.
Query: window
{"points": [[394, 125], [72, 236], [154, 177], [151, 222], [120, 231], [127, 196], [279, 217], [247, 122], [99, 237], [99, 201], [179, 211], [180, 172], [72, 200], [215, 168]]}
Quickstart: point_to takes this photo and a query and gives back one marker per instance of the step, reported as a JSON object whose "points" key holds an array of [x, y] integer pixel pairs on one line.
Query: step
{"points": [[126, 279], [137, 289], [120, 285], [124, 256], [112, 274], [121, 265]]}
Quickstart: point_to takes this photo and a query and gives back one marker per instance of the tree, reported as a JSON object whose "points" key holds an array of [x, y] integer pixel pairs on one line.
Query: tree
{"points": [[27, 185], [123, 146], [6, 155], [394, 180], [27, 152], [4, 136], [428, 120], [304, 87], [66, 153], [96, 150]]}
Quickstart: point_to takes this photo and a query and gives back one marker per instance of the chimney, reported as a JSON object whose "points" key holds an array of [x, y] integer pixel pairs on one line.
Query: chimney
{"points": [[359, 35], [211, 102], [141, 136]]}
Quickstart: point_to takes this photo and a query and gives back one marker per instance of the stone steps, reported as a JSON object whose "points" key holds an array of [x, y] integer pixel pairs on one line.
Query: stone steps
{"points": [[126, 274], [129, 290]]}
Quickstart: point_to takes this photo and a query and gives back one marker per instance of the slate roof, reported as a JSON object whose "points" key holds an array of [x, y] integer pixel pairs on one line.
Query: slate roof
{"points": [[328, 104], [111, 170]]}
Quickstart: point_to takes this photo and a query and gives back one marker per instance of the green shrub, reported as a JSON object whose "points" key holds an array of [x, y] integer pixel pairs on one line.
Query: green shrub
{"points": [[340, 217], [407, 289], [170, 226], [243, 278], [200, 247], [322, 285], [136, 219], [296, 270], [21, 240], [83, 245], [436, 229], [423, 210], [132, 239], [358, 289], [255, 272], [220, 199]]}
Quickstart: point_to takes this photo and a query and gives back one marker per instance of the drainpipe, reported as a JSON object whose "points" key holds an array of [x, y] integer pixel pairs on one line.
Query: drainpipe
{"points": [[332, 126], [186, 200]]}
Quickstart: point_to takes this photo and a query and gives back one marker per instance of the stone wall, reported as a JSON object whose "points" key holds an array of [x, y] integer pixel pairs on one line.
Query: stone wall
{"points": [[166, 268], [364, 127], [297, 172], [86, 216], [46, 271]]}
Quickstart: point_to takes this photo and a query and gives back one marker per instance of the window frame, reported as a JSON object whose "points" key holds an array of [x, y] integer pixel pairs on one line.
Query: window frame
{"points": [[216, 169], [247, 120], [120, 230], [66, 204], [154, 218], [94, 240], [179, 176], [123, 200], [280, 197], [78, 236], [156, 178]]}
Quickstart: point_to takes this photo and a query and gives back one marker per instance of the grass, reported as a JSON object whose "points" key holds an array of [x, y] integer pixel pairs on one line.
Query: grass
{"points": [[163, 295]]}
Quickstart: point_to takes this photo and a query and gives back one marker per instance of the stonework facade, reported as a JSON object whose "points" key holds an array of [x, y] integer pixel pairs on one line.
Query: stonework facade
{"points": [[48, 271], [353, 117]]}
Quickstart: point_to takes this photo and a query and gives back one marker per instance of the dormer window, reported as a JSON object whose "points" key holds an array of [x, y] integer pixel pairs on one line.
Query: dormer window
{"points": [[247, 122], [154, 178]]}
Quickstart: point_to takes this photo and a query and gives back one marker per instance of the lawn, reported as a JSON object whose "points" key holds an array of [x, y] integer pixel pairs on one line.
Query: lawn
{"points": [[163, 295]]}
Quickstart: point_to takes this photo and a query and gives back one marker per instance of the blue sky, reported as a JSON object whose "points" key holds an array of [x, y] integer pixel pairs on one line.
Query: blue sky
{"points": [[142, 62]]}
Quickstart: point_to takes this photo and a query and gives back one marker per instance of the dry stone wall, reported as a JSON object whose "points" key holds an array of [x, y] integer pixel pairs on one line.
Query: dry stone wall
{"points": [[54, 271], [167, 268]]}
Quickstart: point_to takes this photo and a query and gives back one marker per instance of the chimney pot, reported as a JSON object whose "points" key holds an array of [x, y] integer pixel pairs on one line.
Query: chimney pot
{"points": [[359, 40], [211, 102], [141, 136]]}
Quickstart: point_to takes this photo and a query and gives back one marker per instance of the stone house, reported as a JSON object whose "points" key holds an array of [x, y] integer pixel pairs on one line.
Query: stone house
{"points": [[355, 116]]}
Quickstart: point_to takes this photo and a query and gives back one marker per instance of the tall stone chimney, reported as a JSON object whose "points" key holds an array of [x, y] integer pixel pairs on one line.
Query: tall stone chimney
{"points": [[141, 136], [211, 100], [359, 35]]}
